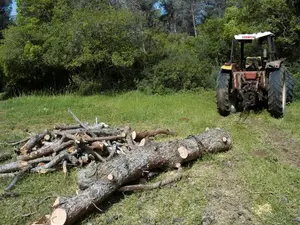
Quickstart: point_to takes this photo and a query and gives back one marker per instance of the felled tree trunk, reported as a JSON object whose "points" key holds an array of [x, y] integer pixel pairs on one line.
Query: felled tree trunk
{"points": [[109, 176]]}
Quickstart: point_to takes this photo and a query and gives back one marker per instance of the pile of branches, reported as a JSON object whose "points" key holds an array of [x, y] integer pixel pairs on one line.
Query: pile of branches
{"points": [[70, 146], [112, 158]]}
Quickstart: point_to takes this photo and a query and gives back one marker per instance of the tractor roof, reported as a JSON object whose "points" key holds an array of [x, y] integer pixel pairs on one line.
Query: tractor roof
{"points": [[249, 37]]}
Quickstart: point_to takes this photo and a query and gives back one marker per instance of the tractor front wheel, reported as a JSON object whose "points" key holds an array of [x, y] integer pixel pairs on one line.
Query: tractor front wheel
{"points": [[277, 90], [223, 92]]}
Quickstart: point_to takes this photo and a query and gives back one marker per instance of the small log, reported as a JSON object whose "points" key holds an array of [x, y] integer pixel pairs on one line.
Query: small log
{"points": [[47, 150], [140, 135], [57, 159], [130, 167], [33, 141], [13, 167], [68, 127], [90, 140], [16, 166], [100, 132]]}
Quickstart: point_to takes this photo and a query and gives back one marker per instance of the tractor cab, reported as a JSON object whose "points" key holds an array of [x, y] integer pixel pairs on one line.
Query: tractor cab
{"points": [[259, 47]]}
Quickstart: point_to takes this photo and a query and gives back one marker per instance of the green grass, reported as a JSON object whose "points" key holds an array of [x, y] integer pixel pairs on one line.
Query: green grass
{"points": [[261, 169]]}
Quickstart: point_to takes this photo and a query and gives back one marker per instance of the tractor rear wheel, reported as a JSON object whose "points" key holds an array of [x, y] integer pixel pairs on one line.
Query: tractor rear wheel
{"points": [[223, 102], [277, 90], [289, 88]]}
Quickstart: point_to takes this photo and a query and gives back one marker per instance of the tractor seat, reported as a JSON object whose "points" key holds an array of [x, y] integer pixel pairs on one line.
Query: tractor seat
{"points": [[253, 63]]}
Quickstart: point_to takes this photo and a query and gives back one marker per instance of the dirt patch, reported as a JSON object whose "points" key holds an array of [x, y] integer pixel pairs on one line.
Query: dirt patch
{"points": [[285, 147], [228, 203]]}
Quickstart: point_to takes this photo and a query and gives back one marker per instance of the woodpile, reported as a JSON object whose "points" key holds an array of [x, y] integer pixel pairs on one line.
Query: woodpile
{"points": [[110, 158]]}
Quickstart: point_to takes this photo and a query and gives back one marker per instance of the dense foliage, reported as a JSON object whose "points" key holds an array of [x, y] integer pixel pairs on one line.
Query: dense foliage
{"points": [[156, 46]]}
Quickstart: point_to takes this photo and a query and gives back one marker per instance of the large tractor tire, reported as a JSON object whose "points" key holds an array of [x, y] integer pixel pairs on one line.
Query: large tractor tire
{"points": [[223, 102], [289, 88], [277, 90]]}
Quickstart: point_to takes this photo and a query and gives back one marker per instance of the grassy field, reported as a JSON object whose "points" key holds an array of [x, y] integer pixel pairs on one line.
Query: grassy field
{"points": [[256, 182]]}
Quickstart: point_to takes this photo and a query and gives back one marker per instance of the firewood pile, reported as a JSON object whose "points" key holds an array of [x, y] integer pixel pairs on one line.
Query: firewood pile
{"points": [[70, 146], [110, 157]]}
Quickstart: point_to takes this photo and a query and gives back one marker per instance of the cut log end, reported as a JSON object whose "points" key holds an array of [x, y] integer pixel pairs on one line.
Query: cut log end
{"points": [[224, 139], [143, 142], [110, 177], [178, 165], [133, 135], [47, 137], [58, 217], [183, 152]]}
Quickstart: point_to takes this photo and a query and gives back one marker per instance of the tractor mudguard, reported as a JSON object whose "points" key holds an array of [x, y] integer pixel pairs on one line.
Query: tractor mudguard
{"points": [[274, 64]]}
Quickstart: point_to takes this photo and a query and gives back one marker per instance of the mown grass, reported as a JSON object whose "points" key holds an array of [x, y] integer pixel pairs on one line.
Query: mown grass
{"points": [[259, 180]]}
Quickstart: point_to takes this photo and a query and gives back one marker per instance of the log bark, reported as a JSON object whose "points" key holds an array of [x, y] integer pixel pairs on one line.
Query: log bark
{"points": [[151, 133], [145, 187], [130, 167]]}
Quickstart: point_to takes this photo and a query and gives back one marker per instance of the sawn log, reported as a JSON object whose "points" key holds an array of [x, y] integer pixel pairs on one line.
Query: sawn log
{"points": [[105, 178]]}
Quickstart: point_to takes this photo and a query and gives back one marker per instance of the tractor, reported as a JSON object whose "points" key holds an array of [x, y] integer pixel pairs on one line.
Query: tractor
{"points": [[258, 80]]}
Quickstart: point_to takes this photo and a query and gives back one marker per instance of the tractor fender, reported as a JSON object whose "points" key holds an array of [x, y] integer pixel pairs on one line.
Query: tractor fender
{"points": [[274, 64], [226, 67]]}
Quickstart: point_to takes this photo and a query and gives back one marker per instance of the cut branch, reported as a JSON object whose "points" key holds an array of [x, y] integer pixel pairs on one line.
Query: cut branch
{"points": [[46, 150], [82, 124], [18, 142], [33, 141], [17, 178]]}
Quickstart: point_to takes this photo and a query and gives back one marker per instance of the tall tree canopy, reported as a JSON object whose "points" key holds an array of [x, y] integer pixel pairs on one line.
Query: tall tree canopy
{"points": [[128, 44]]}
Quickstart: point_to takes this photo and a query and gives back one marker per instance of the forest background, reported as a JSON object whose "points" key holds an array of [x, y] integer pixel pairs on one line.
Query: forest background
{"points": [[88, 47]]}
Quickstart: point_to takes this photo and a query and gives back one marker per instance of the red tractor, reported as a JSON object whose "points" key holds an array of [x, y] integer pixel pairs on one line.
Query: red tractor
{"points": [[252, 81]]}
